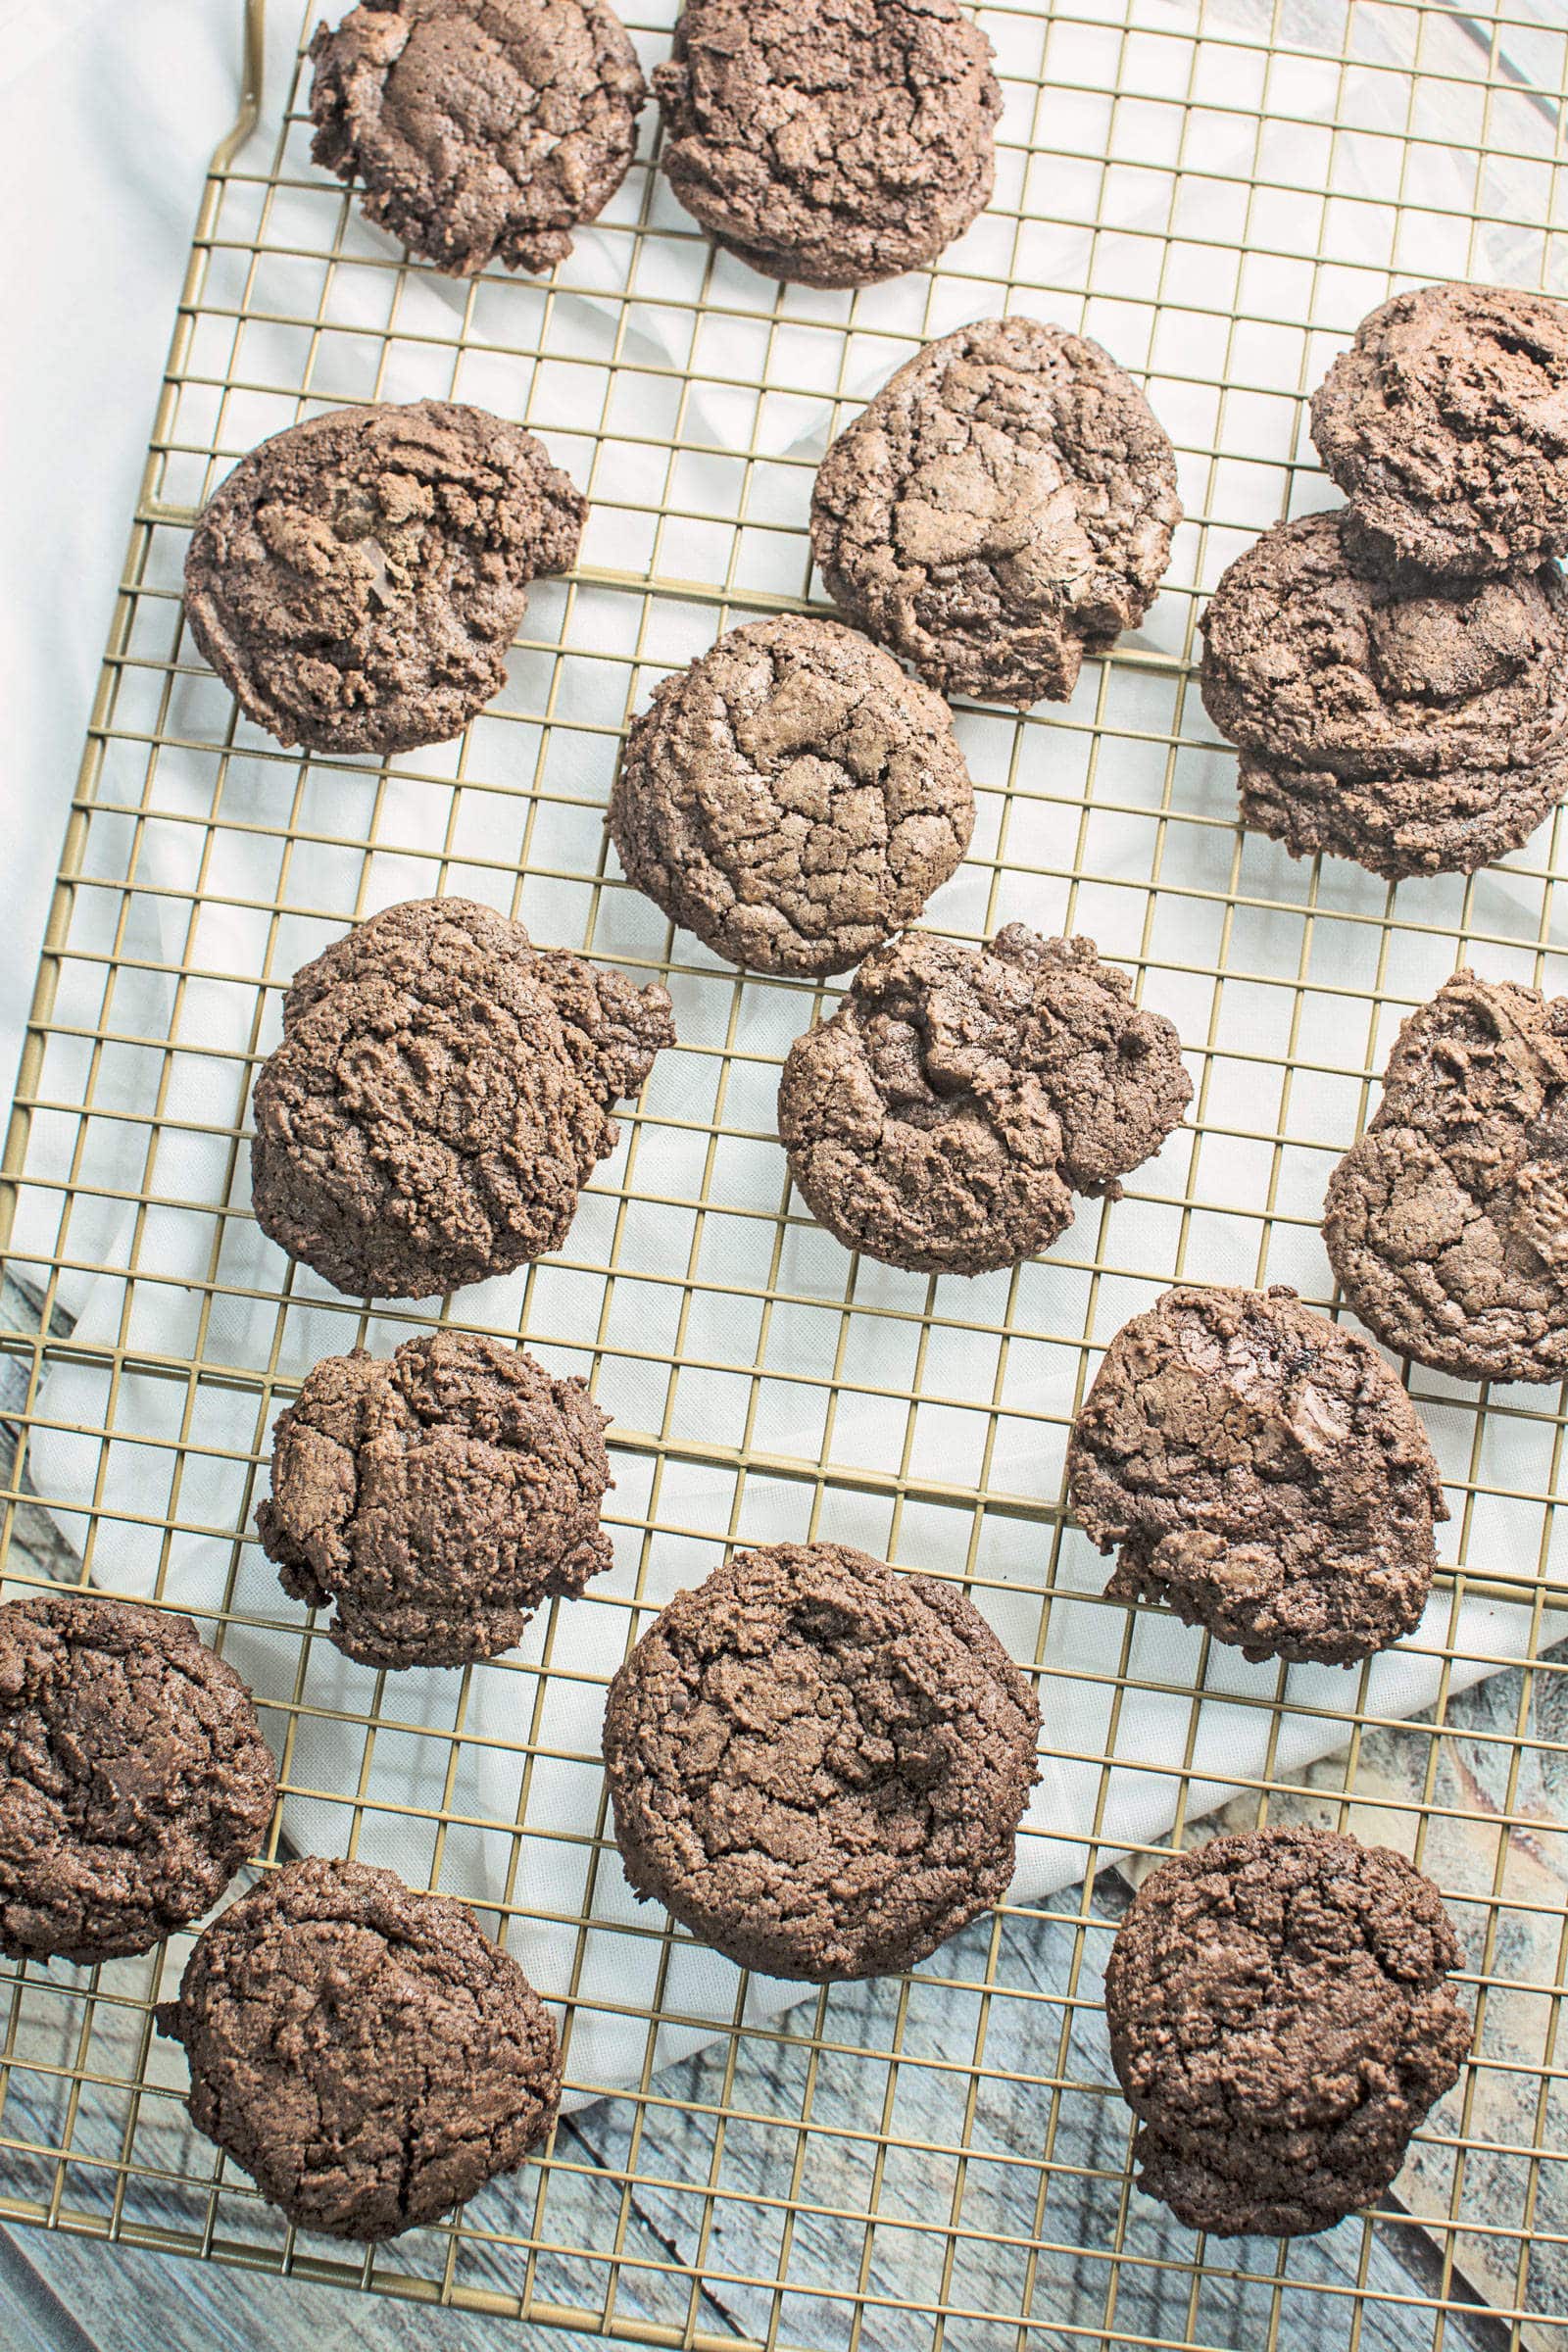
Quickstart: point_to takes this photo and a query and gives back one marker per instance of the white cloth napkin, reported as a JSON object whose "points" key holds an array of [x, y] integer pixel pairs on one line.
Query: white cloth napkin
{"points": [[108, 114], [460, 1760]]}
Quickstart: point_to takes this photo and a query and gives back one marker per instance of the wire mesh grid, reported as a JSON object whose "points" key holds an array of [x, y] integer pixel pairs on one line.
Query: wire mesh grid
{"points": [[1217, 189]]}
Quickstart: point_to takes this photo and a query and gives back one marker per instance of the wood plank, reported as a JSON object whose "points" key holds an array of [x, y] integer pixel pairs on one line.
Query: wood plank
{"points": [[63, 2295]]}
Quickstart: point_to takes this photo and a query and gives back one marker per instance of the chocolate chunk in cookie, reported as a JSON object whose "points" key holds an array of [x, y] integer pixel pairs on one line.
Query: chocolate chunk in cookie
{"points": [[946, 1115], [1280, 2022], [134, 1780], [1446, 1225], [441, 1094], [437, 1499], [1415, 724], [835, 144], [1004, 507], [357, 580], [793, 798], [480, 130], [1261, 1471], [1446, 424], [818, 1764], [364, 2052]]}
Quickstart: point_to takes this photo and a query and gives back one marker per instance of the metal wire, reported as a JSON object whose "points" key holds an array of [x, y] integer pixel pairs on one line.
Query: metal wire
{"points": [[1217, 189]]}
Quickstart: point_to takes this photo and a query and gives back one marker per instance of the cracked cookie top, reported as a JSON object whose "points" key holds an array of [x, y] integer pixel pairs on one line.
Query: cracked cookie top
{"points": [[1280, 2022], [357, 580], [830, 142], [818, 1764], [1446, 424], [1002, 507], [1416, 724], [134, 1778], [946, 1115], [441, 1092], [793, 797], [1263, 1472], [364, 2052], [436, 1497], [480, 130], [1447, 1223]]}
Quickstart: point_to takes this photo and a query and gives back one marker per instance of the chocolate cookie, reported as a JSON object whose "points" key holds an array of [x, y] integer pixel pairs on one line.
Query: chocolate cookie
{"points": [[1280, 2022], [793, 798], [1446, 1225], [945, 1116], [357, 580], [134, 1777], [1262, 1472], [1004, 507], [830, 145], [364, 2052], [437, 1498], [1446, 424], [820, 1765], [441, 1092], [483, 130], [1417, 726]]}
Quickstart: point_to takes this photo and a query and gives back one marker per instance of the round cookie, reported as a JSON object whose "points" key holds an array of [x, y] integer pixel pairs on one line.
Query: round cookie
{"points": [[481, 130], [830, 145], [946, 1115], [364, 2052], [1004, 507], [1446, 1225], [793, 797], [1262, 1472], [441, 1092], [437, 1498], [1418, 726], [818, 1764], [1280, 2022], [1446, 424], [357, 580], [134, 1778]]}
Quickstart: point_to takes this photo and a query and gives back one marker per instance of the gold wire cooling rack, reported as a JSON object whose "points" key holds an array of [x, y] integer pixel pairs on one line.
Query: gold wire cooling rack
{"points": [[1217, 189]]}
